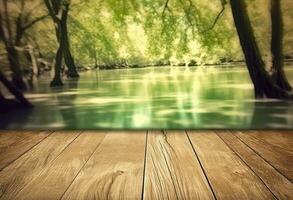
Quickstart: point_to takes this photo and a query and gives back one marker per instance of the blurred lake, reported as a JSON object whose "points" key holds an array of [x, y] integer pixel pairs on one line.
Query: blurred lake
{"points": [[153, 98]]}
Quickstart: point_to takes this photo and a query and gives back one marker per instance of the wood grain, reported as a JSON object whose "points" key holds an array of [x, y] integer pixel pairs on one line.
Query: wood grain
{"points": [[14, 177], [115, 170], [57, 177], [132, 165], [7, 138], [277, 154], [172, 170], [281, 139], [230, 178], [14, 144], [276, 182]]}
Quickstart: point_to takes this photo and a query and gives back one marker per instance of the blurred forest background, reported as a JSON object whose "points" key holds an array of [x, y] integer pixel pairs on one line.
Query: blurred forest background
{"points": [[109, 33]]}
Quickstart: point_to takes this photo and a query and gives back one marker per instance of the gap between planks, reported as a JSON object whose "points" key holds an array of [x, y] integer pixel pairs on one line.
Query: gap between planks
{"points": [[229, 176], [22, 171], [15, 144], [279, 185], [170, 147]]}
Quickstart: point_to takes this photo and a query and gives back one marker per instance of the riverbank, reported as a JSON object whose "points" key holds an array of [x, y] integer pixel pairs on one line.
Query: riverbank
{"points": [[135, 66]]}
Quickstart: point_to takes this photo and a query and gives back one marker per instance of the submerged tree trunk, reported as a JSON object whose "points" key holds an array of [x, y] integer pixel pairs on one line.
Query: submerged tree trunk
{"points": [[69, 61], [96, 60], [58, 62], [263, 83], [13, 90], [56, 10], [33, 59], [278, 73], [13, 59]]}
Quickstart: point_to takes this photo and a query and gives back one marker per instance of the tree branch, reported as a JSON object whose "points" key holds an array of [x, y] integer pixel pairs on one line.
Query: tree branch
{"points": [[166, 7], [223, 3], [33, 22], [51, 10], [187, 12]]}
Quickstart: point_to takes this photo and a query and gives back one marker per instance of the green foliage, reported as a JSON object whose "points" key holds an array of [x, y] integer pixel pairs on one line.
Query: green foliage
{"points": [[147, 31]]}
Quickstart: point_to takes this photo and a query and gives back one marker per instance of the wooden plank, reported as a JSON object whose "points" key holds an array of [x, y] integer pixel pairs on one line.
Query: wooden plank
{"points": [[279, 156], [115, 170], [282, 139], [18, 174], [14, 144], [276, 182], [172, 169], [56, 178], [7, 138], [230, 178]]}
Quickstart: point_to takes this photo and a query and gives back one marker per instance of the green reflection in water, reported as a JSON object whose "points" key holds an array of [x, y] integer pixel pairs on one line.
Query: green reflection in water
{"points": [[169, 98]]}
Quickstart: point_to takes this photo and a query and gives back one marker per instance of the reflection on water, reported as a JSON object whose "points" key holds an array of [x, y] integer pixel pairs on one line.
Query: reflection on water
{"points": [[171, 98]]}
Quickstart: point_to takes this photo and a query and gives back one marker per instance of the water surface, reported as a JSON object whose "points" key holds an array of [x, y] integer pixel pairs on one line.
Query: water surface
{"points": [[161, 97]]}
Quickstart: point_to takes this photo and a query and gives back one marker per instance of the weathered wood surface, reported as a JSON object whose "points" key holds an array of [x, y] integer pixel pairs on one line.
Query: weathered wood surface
{"points": [[141, 165], [14, 143], [172, 169], [277, 152], [115, 170], [14, 177], [56, 177], [229, 176], [7, 138], [276, 182]]}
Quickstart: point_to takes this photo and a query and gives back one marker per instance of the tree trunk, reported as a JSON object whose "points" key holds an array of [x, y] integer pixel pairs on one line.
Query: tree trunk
{"points": [[263, 84], [96, 60], [278, 75], [69, 61], [13, 90], [33, 60], [19, 32], [57, 68], [58, 59], [13, 59]]}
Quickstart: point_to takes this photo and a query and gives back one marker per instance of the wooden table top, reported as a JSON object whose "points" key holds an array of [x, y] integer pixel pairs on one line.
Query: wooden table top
{"points": [[146, 165]]}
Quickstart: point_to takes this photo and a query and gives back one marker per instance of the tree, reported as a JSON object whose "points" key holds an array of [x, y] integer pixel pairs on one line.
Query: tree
{"points": [[7, 37], [13, 38], [264, 85], [278, 75], [58, 10], [69, 61]]}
